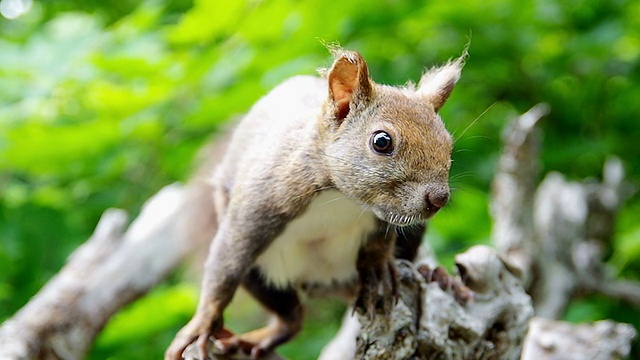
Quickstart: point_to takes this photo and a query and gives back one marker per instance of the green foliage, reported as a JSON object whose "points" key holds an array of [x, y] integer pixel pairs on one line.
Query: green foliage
{"points": [[101, 104], [140, 319], [139, 323], [450, 233], [626, 251]]}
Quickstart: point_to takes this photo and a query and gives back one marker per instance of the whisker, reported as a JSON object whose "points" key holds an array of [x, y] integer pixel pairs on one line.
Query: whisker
{"points": [[484, 137], [474, 121], [361, 212], [313, 192], [459, 176], [468, 190], [401, 231], [331, 201]]}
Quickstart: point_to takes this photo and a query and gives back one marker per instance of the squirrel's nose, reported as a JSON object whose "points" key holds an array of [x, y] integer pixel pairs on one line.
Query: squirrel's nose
{"points": [[437, 199]]}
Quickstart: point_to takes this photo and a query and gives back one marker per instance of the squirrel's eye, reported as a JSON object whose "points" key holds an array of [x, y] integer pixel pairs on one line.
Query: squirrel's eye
{"points": [[381, 142]]}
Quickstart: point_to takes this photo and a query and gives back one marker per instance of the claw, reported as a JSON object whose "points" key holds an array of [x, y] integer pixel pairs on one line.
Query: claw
{"points": [[257, 352], [389, 282], [426, 272], [233, 344], [199, 329], [461, 293], [179, 344], [393, 271], [258, 342], [379, 288], [201, 344], [371, 294], [443, 279]]}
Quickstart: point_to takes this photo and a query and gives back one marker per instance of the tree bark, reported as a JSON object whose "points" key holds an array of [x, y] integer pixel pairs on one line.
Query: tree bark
{"points": [[559, 340], [481, 315]]}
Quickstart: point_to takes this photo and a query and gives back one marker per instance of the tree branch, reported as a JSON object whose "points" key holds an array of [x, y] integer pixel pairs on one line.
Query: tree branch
{"points": [[431, 320], [559, 340], [110, 270]]}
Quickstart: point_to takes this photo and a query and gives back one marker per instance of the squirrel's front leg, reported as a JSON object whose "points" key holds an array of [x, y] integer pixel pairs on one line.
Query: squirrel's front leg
{"points": [[377, 271], [232, 252]]}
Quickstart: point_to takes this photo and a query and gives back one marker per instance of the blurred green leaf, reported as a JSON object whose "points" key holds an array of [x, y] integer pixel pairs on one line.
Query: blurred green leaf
{"points": [[151, 314], [103, 103]]}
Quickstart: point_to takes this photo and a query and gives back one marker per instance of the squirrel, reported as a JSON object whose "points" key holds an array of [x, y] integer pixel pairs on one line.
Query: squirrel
{"points": [[322, 181]]}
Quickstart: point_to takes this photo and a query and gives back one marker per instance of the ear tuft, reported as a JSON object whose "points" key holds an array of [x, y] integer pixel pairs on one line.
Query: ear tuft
{"points": [[348, 81], [437, 84]]}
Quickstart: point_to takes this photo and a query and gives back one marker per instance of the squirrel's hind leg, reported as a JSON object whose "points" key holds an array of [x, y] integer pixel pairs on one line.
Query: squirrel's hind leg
{"points": [[282, 303]]}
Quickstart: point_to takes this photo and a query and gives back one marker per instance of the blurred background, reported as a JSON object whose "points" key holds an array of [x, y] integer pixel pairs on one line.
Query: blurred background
{"points": [[104, 102]]}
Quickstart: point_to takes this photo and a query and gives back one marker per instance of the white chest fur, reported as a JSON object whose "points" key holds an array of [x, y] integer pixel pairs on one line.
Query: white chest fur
{"points": [[319, 246]]}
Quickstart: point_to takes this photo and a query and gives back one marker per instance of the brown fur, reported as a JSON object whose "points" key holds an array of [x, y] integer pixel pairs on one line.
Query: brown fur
{"points": [[309, 135]]}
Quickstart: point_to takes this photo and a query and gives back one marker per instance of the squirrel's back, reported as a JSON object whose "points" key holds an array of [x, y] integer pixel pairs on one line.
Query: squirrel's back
{"points": [[279, 124], [287, 109]]}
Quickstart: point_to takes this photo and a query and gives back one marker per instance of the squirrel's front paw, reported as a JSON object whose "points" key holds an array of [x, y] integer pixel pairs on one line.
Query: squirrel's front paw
{"points": [[449, 283], [199, 329], [378, 288]]}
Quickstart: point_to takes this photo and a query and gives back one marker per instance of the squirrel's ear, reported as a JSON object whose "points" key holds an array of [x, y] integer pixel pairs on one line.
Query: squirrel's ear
{"points": [[348, 81], [436, 84]]}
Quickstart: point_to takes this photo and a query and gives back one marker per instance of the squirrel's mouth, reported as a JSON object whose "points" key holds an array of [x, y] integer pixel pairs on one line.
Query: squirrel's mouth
{"points": [[400, 220]]}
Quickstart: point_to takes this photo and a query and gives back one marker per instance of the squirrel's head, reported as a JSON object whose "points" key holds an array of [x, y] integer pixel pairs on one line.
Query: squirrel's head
{"points": [[386, 147]]}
